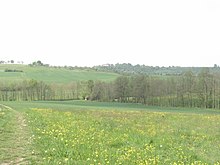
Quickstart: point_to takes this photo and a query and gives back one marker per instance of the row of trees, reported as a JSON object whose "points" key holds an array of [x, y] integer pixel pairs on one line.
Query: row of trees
{"points": [[127, 68], [10, 62], [32, 90], [187, 90], [25, 90]]}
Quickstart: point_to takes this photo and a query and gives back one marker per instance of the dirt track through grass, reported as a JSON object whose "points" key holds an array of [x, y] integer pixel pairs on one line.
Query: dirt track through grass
{"points": [[14, 137]]}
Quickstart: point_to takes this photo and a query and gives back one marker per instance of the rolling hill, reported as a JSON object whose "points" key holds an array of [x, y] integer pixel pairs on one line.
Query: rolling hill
{"points": [[18, 72]]}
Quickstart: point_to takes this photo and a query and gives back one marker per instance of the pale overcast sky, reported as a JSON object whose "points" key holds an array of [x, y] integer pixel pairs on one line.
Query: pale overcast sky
{"points": [[93, 32]]}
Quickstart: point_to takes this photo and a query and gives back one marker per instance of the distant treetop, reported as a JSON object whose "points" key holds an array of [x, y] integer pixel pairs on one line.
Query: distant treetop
{"points": [[38, 63], [127, 68]]}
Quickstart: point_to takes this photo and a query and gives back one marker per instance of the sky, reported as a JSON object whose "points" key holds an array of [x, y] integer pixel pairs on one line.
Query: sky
{"points": [[96, 32]]}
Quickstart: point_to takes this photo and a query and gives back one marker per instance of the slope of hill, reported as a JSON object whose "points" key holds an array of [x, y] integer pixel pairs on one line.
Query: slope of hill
{"points": [[17, 72]]}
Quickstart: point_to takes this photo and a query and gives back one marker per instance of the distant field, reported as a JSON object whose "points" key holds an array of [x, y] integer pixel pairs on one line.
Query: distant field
{"points": [[84, 132], [91, 105], [51, 75]]}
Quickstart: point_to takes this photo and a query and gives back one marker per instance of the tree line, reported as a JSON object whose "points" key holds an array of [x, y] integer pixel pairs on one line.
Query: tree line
{"points": [[128, 69], [187, 90]]}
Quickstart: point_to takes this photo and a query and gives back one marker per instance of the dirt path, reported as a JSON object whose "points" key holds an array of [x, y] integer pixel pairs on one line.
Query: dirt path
{"points": [[16, 147]]}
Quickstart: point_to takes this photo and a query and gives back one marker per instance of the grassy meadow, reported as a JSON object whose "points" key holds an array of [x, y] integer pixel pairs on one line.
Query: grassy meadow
{"points": [[51, 75], [84, 132]]}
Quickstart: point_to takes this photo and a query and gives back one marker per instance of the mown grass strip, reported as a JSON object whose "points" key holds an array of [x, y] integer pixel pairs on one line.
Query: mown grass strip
{"points": [[14, 137]]}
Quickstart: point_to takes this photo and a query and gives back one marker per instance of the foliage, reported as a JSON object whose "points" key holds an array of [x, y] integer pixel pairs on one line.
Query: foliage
{"points": [[38, 63], [186, 90], [12, 70], [129, 69]]}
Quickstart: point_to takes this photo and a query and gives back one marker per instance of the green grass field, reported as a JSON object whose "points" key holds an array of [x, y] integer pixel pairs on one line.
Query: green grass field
{"points": [[51, 75], [84, 132]]}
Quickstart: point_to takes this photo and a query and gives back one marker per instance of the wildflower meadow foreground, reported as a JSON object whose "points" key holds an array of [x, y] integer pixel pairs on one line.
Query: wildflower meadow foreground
{"points": [[123, 137]]}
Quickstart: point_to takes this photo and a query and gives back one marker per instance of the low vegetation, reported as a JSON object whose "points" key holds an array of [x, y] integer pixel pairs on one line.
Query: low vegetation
{"points": [[126, 119], [15, 144], [51, 75], [97, 133]]}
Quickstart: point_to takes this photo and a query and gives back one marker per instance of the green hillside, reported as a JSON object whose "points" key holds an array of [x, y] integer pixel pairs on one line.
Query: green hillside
{"points": [[19, 72]]}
